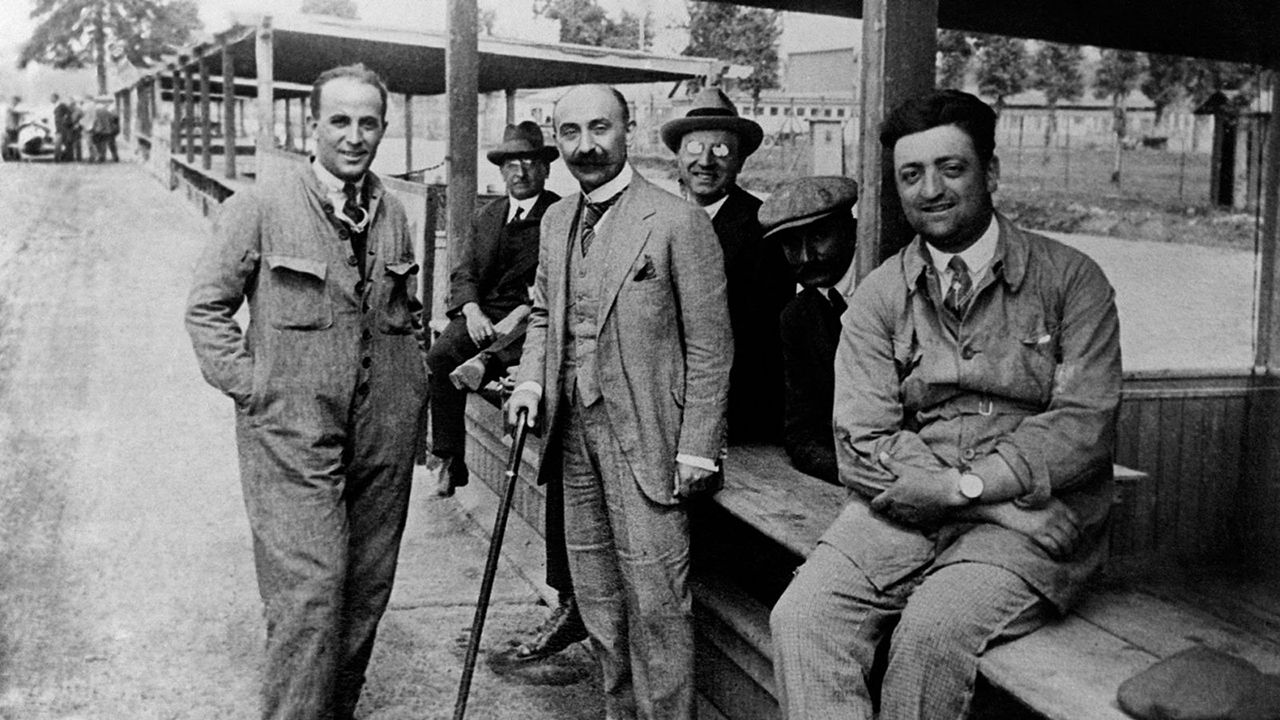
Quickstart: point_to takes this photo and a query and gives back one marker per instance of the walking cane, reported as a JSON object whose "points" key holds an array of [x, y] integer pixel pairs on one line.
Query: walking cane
{"points": [[491, 566]]}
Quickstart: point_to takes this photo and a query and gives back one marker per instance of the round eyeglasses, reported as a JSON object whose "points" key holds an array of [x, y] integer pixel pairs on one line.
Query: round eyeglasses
{"points": [[697, 147], [518, 164]]}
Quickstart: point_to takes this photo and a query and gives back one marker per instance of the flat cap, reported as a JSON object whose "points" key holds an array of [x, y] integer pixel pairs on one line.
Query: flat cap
{"points": [[803, 201]]}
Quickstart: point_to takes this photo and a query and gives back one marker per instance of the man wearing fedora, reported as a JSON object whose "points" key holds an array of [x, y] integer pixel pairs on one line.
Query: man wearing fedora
{"points": [[711, 143], [489, 279]]}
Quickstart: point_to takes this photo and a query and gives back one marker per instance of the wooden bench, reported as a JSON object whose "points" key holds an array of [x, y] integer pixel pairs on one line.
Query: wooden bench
{"points": [[769, 516], [750, 537]]}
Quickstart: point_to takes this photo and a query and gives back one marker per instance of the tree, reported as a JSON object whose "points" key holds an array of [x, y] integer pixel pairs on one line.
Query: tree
{"points": [[1055, 71], [345, 9], [744, 36], [1002, 68], [955, 50], [1119, 73], [584, 22], [78, 33], [1166, 81]]}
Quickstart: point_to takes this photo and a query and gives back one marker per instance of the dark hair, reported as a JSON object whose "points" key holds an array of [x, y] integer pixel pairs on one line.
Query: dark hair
{"points": [[357, 72], [943, 107]]}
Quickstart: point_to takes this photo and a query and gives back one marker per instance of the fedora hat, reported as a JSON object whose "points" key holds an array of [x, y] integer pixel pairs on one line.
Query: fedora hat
{"points": [[712, 110], [521, 141]]}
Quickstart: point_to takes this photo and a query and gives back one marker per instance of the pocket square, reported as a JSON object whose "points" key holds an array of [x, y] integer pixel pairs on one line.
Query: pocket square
{"points": [[646, 271]]}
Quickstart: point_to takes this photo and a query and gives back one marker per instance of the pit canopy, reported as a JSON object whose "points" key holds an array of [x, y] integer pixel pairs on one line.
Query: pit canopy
{"points": [[413, 61], [1236, 30]]}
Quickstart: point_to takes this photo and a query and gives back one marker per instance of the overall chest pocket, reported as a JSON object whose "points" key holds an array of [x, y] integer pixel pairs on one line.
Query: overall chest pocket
{"points": [[397, 314], [298, 300]]}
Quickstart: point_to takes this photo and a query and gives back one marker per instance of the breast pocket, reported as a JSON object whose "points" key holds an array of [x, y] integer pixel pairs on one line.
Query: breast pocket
{"points": [[298, 300], [1038, 355], [397, 315]]}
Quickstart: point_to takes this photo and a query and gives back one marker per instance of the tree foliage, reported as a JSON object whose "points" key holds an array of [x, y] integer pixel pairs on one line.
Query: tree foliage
{"points": [[955, 50], [740, 35], [345, 9], [80, 33], [1055, 71], [1002, 67], [1119, 73], [584, 22]]}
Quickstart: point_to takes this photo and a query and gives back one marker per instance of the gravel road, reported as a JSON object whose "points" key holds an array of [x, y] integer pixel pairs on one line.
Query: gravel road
{"points": [[126, 581]]}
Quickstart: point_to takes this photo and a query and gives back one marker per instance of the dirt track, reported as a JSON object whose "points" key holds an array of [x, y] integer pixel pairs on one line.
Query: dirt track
{"points": [[126, 580]]}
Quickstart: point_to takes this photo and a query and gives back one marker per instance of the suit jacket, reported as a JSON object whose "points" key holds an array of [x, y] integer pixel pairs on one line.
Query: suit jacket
{"points": [[494, 271], [810, 334], [664, 346], [760, 285]]}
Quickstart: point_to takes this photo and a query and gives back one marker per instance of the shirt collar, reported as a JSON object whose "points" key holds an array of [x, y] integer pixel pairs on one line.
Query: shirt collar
{"points": [[1009, 259], [332, 183], [526, 205], [714, 207], [613, 187], [977, 256]]}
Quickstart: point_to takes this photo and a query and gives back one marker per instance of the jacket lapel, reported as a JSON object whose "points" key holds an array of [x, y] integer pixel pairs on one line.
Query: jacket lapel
{"points": [[626, 229]]}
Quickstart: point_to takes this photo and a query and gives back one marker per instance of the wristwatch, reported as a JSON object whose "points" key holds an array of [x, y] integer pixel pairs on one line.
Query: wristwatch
{"points": [[971, 486]]}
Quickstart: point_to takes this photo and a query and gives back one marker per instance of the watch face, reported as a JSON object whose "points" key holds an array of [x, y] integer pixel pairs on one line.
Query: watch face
{"points": [[971, 486]]}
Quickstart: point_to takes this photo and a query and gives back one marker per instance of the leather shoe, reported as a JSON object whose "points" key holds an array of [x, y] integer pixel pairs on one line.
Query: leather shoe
{"points": [[452, 474], [469, 375], [556, 633]]}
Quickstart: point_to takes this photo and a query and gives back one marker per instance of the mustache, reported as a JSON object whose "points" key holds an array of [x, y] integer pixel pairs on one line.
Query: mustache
{"points": [[591, 157]]}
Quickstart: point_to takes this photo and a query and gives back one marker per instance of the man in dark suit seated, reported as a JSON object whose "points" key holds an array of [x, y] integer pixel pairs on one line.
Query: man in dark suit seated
{"points": [[490, 279], [812, 220], [711, 143]]}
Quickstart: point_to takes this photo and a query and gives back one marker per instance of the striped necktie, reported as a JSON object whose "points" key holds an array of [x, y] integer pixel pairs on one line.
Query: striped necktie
{"points": [[591, 214], [961, 285]]}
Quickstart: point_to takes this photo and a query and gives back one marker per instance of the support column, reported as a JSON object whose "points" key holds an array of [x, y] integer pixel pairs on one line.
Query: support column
{"points": [[265, 141], [511, 105], [408, 133], [899, 42], [175, 127], [189, 112], [206, 124], [229, 112], [462, 66], [1266, 334], [288, 124]]}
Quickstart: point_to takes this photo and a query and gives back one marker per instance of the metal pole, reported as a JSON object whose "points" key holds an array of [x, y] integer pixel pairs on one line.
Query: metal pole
{"points": [[491, 566], [189, 112], [206, 125], [229, 112], [408, 133]]}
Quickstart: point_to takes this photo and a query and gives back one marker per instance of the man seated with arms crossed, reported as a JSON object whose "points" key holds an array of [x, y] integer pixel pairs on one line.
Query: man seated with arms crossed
{"points": [[812, 219], [977, 379], [489, 280]]}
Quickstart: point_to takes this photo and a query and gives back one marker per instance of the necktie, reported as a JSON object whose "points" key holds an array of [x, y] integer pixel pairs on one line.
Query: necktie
{"points": [[351, 208], [837, 302], [517, 217], [591, 214], [961, 286]]}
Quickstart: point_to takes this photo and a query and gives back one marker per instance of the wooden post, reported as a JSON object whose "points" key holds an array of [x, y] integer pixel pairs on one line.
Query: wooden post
{"points": [[228, 112], [898, 47], [408, 133], [175, 128], [511, 105], [288, 124], [189, 112], [1266, 332], [265, 141], [206, 124], [462, 67]]}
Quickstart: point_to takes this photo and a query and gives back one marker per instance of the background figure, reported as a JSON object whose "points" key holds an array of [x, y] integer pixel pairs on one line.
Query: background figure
{"points": [[330, 387], [711, 143], [63, 123], [489, 279], [12, 121], [103, 132], [628, 353], [811, 220], [977, 381]]}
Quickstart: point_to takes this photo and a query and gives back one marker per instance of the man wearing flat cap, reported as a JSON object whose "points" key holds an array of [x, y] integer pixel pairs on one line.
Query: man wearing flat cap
{"points": [[711, 143], [489, 279], [811, 219]]}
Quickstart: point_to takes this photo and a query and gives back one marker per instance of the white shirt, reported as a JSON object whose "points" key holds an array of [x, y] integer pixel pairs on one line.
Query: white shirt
{"points": [[977, 256], [333, 190], [524, 206]]}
